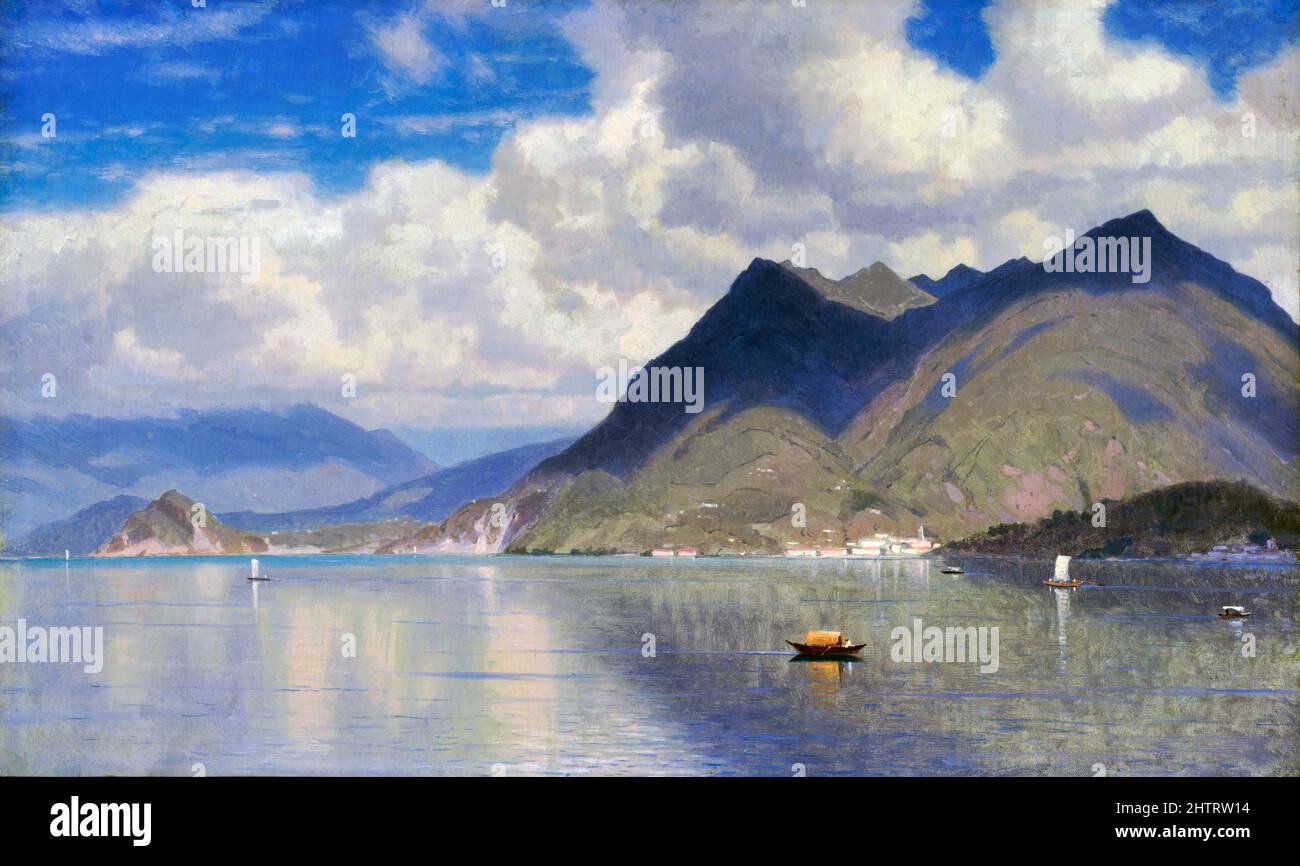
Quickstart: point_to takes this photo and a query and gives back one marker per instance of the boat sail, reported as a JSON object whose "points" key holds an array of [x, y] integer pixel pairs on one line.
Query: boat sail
{"points": [[255, 571], [1061, 578]]}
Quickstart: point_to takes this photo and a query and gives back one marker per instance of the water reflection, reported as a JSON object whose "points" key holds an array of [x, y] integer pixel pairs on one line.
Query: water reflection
{"points": [[536, 665], [1062, 614]]}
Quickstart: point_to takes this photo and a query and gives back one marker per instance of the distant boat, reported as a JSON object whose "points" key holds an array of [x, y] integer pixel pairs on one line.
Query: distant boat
{"points": [[826, 644], [254, 571], [1230, 611], [951, 569], [1061, 579]]}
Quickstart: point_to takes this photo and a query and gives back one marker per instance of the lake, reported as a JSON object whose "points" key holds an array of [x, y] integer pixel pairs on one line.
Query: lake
{"points": [[625, 665]]}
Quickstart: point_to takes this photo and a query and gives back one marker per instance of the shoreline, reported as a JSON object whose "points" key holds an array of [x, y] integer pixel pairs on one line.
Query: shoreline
{"points": [[938, 556]]}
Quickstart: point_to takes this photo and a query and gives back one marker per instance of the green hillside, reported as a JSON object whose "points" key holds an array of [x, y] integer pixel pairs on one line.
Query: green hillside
{"points": [[1181, 519]]}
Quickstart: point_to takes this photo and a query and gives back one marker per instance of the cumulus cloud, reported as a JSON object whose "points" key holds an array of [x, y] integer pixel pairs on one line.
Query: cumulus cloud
{"points": [[463, 298]]}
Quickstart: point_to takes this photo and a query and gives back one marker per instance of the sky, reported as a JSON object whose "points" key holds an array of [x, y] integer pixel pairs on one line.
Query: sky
{"points": [[537, 190]]}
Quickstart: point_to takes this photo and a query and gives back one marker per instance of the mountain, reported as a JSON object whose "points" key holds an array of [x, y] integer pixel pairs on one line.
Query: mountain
{"points": [[165, 527], [232, 459], [82, 533], [429, 499], [876, 290], [1178, 520], [1068, 388]]}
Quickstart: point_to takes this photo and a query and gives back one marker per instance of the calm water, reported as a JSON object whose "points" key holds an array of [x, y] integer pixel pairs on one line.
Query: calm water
{"points": [[532, 665]]}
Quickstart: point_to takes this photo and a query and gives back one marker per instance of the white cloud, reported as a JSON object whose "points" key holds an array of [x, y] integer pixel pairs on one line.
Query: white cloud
{"points": [[174, 27], [405, 50], [459, 298]]}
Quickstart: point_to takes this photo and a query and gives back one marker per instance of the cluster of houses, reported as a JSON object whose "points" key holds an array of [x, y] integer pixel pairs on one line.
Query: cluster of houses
{"points": [[674, 551], [1268, 552], [877, 546]]}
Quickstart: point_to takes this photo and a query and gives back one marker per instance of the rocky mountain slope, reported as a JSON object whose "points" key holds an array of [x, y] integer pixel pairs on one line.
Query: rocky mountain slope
{"points": [[165, 527], [876, 290]]}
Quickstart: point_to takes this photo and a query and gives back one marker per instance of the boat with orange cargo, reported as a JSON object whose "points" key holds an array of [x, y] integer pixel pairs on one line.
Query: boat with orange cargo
{"points": [[825, 644]]}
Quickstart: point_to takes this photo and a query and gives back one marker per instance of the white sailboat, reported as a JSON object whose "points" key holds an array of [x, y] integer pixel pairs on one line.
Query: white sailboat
{"points": [[1061, 577], [254, 571]]}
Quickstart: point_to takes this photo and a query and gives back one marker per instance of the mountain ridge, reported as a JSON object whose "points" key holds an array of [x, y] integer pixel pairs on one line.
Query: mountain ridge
{"points": [[296, 456], [429, 498]]}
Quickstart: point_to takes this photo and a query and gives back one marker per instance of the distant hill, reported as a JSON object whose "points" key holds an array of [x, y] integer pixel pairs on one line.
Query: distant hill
{"points": [[164, 528], [82, 533], [428, 499], [233, 459], [1018, 394], [1180, 519]]}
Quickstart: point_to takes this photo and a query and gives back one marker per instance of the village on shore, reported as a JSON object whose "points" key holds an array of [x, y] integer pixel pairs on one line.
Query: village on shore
{"points": [[882, 545]]}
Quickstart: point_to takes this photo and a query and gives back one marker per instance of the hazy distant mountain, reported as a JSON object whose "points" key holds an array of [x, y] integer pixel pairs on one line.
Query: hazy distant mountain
{"points": [[1069, 388], [300, 457], [429, 499], [448, 446], [82, 533]]}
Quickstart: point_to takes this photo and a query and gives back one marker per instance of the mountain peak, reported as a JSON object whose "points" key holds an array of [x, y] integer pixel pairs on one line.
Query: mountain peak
{"points": [[875, 289], [958, 277], [1137, 224]]}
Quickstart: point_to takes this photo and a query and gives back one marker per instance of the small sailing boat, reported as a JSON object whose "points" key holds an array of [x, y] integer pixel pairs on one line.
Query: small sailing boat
{"points": [[1232, 611], [254, 571], [1061, 578]]}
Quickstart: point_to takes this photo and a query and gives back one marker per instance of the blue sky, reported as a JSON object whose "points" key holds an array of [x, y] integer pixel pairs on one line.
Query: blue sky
{"points": [[268, 94], [1226, 37], [262, 86]]}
